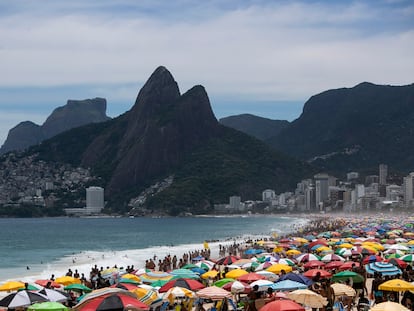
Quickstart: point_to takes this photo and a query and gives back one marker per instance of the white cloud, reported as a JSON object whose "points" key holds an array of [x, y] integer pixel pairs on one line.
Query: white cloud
{"points": [[260, 51]]}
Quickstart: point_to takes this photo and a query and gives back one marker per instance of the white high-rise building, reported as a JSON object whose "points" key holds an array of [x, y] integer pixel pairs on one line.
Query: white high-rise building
{"points": [[268, 195], [408, 188], [383, 173], [95, 199], [321, 187]]}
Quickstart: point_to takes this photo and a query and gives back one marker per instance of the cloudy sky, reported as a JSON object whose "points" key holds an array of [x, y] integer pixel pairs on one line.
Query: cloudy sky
{"points": [[259, 56]]}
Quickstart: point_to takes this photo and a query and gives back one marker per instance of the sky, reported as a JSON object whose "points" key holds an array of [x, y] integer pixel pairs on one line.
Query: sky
{"points": [[253, 56]]}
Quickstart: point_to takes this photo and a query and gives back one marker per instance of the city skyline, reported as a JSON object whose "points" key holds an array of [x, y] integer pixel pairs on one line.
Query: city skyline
{"points": [[261, 57]]}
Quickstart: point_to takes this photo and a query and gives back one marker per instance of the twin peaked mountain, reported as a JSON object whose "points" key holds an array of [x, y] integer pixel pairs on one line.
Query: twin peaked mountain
{"points": [[169, 134]]}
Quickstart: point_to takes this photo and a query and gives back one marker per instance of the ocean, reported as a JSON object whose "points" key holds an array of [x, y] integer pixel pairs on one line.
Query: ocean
{"points": [[32, 249]]}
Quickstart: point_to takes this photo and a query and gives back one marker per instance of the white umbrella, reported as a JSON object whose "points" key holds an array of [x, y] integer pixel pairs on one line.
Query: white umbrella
{"points": [[308, 298], [23, 298], [53, 295], [263, 284]]}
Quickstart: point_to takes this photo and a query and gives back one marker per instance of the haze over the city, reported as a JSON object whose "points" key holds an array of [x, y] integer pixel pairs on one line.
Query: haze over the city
{"points": [[261, 57]]}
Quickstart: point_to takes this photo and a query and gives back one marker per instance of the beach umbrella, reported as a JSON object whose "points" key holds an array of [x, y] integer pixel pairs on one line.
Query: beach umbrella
{"points": [[67, 280], [105, 291], [314, 272], [372, 258], [78, 288], [385, 268], [22, 298], [12, 285], [340, 289], [233, 274], [293, 252], [262, 266], [287, 261], [333, 265], [307, 257], [277, 268], [184, 283], [311, 264], [205, 264], [398, 262], [227, 260], [153, 276], [396, 285], [237, 287], [332, 257], [268, 275], [213, 293], [346, 275], [209, 274], [407, 258], [262, 284], [128, 281], [54, 295], [296, 277], [147, 296], [177, 292], [184, 273], [45, 283], [131, 276], [126, 286], [349, 265], [389, 306], [287, 285], [114, 301], [282, 305], [251, 277], [308, 298], [48, 306], [220, 283]]}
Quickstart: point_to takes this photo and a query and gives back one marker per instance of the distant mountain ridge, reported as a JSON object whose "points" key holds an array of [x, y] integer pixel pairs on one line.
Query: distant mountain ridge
{"points": [[259, 127], [166, 134], [354, 128], [74, 114]]}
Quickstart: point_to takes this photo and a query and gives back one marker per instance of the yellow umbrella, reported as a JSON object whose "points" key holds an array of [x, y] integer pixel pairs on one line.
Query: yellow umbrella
{"points": [[147, 296], [177, 292], [293, 252], [209, 274], [67, 280], [278, 249], [12, 285], [346, 245], [323, 249], [389, 306], [411, 242], [131, 277], [277, 268], [233, 274], [308, 298], [301, 240], [396, 285]]}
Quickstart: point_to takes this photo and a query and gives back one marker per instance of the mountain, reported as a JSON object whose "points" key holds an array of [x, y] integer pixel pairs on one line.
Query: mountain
{"points": [[167, 134], [261, 128], [75, 113], [354, 128]]}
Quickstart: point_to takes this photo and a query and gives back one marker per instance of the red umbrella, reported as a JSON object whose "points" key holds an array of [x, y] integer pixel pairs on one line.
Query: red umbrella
{"points": [[190, 284], [314, 264], [115, 301], [46, 282], [227, 260], [316, 242], [282, 305], [398, 262], [313, 272], [228, 287], [251, 277], [333, 265], [372, 258], [349, 265]]}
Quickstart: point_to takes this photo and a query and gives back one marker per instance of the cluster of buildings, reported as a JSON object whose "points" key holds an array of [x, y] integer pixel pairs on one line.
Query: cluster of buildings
{"points": [[325, 193]]}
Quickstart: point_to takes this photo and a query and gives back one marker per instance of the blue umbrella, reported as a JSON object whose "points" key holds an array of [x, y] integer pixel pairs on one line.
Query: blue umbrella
{"points": [[288, 285], [297, 278], [384, 268]]}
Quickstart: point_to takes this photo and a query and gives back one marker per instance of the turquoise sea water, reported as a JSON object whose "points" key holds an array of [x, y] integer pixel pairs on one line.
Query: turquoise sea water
{"points": [[36, 248]]}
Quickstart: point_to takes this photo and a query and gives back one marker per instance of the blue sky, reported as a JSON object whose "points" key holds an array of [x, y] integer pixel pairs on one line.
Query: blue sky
{"points": [[261, 57]]}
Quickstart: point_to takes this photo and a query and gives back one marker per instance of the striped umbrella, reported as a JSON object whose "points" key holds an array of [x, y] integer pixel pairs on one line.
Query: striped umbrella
{"points": [[214, 293], [146, 296], [384, 268]]}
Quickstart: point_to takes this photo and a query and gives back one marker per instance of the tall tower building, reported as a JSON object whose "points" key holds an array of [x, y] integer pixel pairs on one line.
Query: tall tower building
{"points": [[383, 173], [321, 187], [408, 188], [94, 199]]}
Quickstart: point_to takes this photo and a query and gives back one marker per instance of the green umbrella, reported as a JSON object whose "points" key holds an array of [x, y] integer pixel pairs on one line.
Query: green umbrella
{"points": [[158, 283], [345, 275], [222, 282], [78, 287], [47, 306]]}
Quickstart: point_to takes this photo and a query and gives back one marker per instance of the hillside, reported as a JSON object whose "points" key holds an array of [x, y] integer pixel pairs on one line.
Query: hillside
{"points": [[354, 128], [261, 128], [166, 133]]}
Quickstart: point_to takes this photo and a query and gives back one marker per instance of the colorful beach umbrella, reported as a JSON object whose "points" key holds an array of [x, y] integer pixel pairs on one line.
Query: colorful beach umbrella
{"points": [[209, 274], [277, 268], [287, 285], [332, 257], [78, 288], [147, 296], [237, 287], [396, 285], [221, 282], [282, 305], [114, 301], [385, 268], [296, 277], [346, 275], [251, 277], [234, 274], [184, 283], [177, 293], [314, 272], [227, 260], [67, 280], [46, 283], [48, 306], [22, 298], [12, 285], [307, 257], [54, 295], [184, 273], [214, 293], [308, 298]]}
